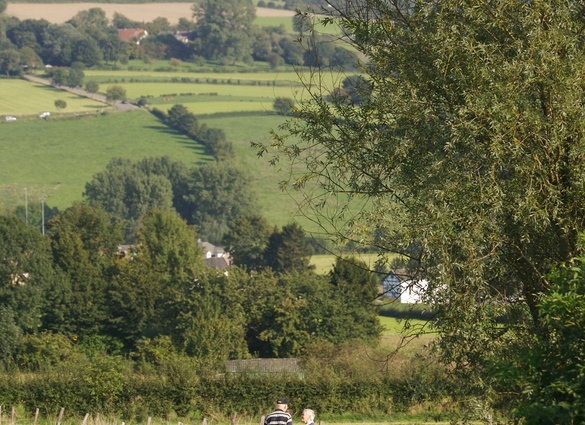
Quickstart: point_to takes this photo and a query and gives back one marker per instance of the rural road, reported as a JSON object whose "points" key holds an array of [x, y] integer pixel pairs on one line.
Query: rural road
{"points": [[80, 92]]}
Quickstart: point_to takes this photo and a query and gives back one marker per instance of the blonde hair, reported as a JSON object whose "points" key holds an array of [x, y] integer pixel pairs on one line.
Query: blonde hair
{"points": [[311, 413]]}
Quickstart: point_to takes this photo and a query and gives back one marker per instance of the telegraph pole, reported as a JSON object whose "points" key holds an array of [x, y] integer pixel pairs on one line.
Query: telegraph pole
{"points": [[43, 214], [25, 206]]}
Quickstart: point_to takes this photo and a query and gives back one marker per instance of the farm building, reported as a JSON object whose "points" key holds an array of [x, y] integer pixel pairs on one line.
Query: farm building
{"points": [[215, 256], [132, 34], [399, 284]]}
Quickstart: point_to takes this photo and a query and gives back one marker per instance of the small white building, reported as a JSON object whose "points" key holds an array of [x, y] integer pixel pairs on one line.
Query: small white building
{"points": [[398, 284], [215, 256]]}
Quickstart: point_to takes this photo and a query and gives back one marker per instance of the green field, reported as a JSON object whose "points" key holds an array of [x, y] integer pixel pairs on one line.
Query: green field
{"points": [[288, 25], [210, 93], [54, 159], [20, 97], [324, 263]]}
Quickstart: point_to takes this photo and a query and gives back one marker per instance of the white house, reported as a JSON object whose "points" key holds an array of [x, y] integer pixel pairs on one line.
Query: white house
{"points": [[215, 256], [399, 284]]}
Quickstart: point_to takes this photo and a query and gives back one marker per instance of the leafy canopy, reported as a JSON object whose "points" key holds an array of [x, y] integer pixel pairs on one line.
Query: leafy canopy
{"points": [[465, 154]]}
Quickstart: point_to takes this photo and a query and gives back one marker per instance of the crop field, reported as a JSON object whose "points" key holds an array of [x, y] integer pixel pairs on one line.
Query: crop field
{"points": [[59, 13], [20, 97]]}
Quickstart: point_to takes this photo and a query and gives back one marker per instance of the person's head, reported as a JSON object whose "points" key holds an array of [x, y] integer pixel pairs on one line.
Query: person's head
{"points": [[307, 416], [282, 404]]}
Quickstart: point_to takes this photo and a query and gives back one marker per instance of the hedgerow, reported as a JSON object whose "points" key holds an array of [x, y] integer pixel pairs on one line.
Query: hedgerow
{"points": [[139, 396]]}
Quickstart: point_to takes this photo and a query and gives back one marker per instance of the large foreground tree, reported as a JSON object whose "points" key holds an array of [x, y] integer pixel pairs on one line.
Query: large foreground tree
{"points": [[465, 153]]}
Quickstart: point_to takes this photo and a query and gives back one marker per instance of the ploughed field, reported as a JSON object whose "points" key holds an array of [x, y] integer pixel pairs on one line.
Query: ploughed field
{"points": [[60, 12]]}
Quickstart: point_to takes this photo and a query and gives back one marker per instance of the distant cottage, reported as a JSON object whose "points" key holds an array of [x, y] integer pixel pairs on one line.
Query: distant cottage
{"points": [[215, 256], [132, 34], [399, 284]]}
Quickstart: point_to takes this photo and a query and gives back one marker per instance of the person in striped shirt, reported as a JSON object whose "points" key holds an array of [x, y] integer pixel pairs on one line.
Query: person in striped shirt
{"points": [[280, 416]]}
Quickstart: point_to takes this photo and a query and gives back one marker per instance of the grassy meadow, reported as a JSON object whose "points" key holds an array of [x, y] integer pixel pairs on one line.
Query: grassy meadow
{"points": [[20, 97], [54, 159]]}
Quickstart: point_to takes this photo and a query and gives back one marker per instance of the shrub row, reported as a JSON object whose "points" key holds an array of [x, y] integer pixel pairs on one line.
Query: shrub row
{"points": [[135, 397], [198, 81]]}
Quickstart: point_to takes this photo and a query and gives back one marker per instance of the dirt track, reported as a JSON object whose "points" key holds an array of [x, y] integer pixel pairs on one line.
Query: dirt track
{"points": [[60, 12]]}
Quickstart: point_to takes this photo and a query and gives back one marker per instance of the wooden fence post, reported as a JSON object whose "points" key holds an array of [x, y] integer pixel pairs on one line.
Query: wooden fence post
{"points": [[204, 422], [234, 419], [60, 416], [97, 419], [85, 419], [262, 419], [148, 421], [36, 416], [13, 416], [0, 414]]}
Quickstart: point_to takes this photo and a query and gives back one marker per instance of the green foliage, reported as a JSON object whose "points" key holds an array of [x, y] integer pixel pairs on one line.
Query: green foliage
{"points": [[104, 380], [10, 62], [355, 288], [283, 105], [60, 103], [217, 193], [75, 77], [212, 324], [45, 351], [10, 336], [246, 240], [288, 250], [26, 273], [223, 28], [545, 374], [179, 118], [3, 4], [59, 76], [84, 243], [463, 157], [406, 311], [169, 244], [127, 192], [92, 87], [115, 92]]}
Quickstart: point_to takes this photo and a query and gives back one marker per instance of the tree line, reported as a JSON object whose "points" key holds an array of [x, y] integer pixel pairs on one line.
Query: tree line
{"points": [[73, 281], [223, 31]]}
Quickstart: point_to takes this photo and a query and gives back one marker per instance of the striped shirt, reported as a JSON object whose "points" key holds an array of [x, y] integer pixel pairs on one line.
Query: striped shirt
{"points": [[278, 417]]}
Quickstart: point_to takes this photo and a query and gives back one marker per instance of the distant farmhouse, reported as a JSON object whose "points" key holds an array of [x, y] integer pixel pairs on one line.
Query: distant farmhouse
{"points": [[215, 256], [398, 284], [133, 35]]}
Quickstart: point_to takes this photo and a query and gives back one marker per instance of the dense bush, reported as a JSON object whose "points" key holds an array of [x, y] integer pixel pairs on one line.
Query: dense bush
{"points": [[139, 396], [406, 311]]}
